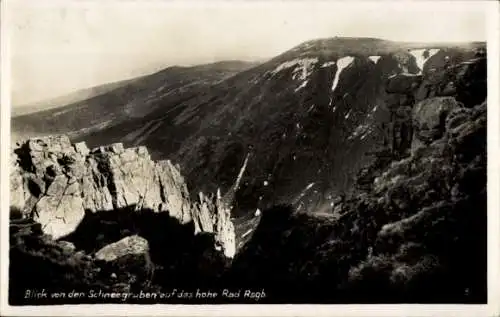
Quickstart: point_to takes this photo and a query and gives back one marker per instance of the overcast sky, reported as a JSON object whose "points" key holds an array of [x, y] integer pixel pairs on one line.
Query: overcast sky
{"points": [[59, 48]]}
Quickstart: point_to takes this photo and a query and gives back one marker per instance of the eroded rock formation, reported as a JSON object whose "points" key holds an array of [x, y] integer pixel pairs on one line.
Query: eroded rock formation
{"points": [[56, 182]]}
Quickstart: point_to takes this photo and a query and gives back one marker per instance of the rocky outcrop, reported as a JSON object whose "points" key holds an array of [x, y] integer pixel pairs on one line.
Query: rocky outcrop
{"points": [[466, 81], [419, 104], [56, 183], [429, 119], [204, 220]]}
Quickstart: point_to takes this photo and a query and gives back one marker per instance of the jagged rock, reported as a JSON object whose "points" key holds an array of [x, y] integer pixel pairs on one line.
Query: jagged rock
{"points": [[58, 186], [225, 236], [203, 218], [95, 191], [116, 148], [59, 181], [17, 200], [73, 189], [126, 246], [174, 192], [82, 148], [465, 81]]}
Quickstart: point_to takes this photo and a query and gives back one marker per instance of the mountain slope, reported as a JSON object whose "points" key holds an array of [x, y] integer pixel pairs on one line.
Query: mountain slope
{"points": [[412, 231], [306, 117], [118, 102], [306, 121]]}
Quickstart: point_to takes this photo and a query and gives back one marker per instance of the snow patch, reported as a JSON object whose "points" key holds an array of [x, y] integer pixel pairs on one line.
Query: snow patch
{"points": [[257, 212], [328, 64], [348, 114], [342, 63], [303, 85], [375, 108], [419, 56], [360, 129], [58, 113], [302, 67], [374, 58], [247, 233], [266, 183]]}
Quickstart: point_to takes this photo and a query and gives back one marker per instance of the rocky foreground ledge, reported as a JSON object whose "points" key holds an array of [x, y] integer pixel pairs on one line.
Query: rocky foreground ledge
{"points": [[55, 183]]}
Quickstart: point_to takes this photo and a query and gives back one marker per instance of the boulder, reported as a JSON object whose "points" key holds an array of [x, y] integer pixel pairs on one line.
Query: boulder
{"points": [[131, 245], [67, 246]]}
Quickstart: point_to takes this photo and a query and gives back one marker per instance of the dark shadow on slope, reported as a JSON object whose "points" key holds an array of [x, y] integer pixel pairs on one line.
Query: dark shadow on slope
{"points": [[307, 259], [173, 246], [177, 259]]}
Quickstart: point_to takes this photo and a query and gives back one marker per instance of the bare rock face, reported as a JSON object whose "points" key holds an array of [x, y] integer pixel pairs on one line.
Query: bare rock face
{"points": [[56, 182], [429, 118], [48, 168], [129, 245], [173, 191], [16, 185], [130, 176], [219, 223]]}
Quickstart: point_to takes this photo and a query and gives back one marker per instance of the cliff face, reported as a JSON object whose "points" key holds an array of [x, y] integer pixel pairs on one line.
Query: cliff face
{"points": [[419, 104], [414, 228], [56, 182]]}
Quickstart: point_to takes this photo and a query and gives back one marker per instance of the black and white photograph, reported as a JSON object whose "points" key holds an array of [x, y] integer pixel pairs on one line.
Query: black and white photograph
{"points": [[248, 152]]}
